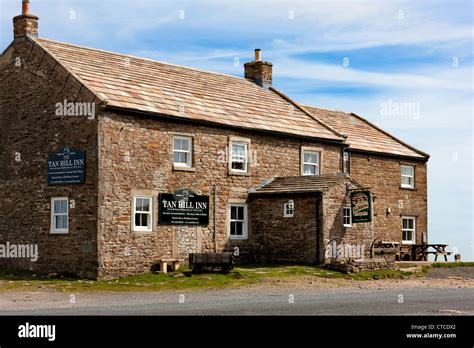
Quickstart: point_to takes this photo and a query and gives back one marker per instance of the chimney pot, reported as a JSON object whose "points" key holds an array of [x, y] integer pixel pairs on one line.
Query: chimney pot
{"points": [[258, 54], [25, 7]]}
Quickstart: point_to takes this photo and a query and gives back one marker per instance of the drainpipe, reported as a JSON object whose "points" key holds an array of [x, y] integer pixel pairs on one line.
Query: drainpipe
{"points": [[215, 217]]}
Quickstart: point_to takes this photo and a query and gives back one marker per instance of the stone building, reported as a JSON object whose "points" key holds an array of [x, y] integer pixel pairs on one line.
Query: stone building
{"points": [[112, 163]]}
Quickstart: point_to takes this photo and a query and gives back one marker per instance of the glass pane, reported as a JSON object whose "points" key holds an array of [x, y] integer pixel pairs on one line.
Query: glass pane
{"points": [[410, 224], [177, 144], [137, 219], [64, 206], [146, 205], [176, 157], [405, 223], [57, 207], [309, 169], [239, 165], [405, 180], [185, 144], [310, 157], [138, 204], [232, 228], [145, 220], [233, 213], [239, 228], [240, 213]]}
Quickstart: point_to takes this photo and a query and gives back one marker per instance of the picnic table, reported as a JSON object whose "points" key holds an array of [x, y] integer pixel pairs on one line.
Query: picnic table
{"points": [[421, 251]]}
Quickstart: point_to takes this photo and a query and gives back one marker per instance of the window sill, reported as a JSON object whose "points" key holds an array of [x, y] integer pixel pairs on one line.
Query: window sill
{"points": [[408, 188], [142, 232], [347, 226], [237, 239], [184, 169], [58, 233], [231, 172]]}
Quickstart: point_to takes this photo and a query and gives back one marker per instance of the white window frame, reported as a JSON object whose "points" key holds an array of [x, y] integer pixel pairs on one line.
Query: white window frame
{"points": [[317, 165], [289, 209], [150, 213], [246, 144], [244, 221], [344, 216], [411, 177], [413, 231], [55, 230], [189, 152]]}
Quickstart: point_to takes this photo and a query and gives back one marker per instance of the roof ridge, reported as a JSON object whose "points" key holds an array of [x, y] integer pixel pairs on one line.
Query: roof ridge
{"points": [[288, 99], [142, 58], [327, 109]]}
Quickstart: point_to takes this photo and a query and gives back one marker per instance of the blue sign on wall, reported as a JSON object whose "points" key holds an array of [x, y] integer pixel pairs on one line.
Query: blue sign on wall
{"points": [[66, 167]]}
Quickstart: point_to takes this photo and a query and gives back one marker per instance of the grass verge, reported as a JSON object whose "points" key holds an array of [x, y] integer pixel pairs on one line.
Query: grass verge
{"points": [[244, 275]]}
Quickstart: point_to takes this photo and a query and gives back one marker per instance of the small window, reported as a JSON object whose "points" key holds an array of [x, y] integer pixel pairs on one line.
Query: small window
{"points": [[60, 215], [142, 213], [408, 230], [182, 151], [238, 221], [289, 209], [347, 217], [408, 176], [311, 163], [239, 157]]}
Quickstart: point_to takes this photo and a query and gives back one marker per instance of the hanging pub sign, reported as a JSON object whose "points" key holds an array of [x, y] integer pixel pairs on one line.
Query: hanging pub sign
{"points": [[66, 167], [361, 205], [183, 207]]}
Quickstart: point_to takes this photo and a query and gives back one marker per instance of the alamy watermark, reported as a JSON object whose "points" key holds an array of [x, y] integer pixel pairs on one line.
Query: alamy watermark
{"points": [[405, 109], [345, 251], [21, 251], [75, 109]]}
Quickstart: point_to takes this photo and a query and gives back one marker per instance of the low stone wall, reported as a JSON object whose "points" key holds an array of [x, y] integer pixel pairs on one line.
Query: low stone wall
{"points": [[353, 266]]}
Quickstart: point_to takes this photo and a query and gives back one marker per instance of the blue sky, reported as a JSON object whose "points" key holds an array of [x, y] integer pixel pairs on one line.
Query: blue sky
{"points": [[400, 51]]}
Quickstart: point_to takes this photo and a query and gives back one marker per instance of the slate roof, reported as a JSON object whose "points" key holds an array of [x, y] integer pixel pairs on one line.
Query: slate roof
{"points": [[141, 84], [163, 89], [363, 135], [302, 184]]}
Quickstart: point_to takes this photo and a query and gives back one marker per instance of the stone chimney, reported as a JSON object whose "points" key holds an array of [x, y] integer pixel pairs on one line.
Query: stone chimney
{"points": [[25, 24], [258, 71]]}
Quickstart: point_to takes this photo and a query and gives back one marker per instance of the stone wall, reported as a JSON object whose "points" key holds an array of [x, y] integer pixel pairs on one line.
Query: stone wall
{"points": [[383, 176], [274, 237], [31, 85], [136, 154]]}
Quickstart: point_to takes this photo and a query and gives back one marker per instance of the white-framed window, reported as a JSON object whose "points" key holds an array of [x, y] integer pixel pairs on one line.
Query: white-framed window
{"points": [[238, 221], [408, 230], [289, 209], [59, 215], [182, 151], [347, 216], [408, 176], [239, 152], [311, 160], [142, 213]]}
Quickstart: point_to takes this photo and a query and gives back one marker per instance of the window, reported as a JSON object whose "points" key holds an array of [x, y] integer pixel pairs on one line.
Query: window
{"points": [[182, 151], [289, 209], [239, 156], [142, 213], [311, 163], [347, 217], [408, 176], [60, 215], [408, 230], [238, 221]]}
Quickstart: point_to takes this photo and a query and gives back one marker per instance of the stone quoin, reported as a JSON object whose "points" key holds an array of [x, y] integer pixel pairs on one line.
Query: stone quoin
{"points": [[249, 166]]}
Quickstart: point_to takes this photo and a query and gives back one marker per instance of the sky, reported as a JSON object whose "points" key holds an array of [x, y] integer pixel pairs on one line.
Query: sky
{"points": [[356, 56]]}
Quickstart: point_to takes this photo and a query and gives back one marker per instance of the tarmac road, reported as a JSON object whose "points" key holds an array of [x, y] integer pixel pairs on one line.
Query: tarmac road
{"points": [[248, 301]]}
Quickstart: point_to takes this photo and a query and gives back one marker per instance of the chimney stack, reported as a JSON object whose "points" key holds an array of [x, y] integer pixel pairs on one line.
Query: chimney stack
{"points": [[25, 24], [258, 71]]}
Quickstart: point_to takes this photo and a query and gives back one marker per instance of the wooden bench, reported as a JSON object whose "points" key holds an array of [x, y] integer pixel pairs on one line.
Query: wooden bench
{"points": [[211, 262]]}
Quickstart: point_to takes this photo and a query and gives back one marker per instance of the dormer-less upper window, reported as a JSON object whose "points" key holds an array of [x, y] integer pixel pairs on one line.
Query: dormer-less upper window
{"points": [[408, 176]]}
